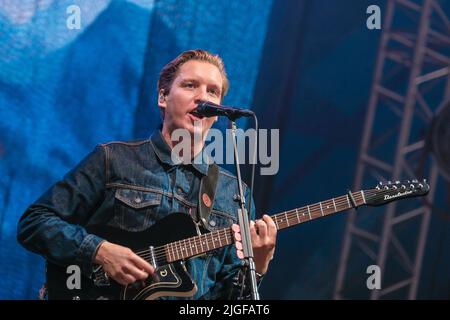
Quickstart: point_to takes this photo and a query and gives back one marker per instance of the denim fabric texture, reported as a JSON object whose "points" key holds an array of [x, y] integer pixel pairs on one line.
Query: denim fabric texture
{"points": [[130, 186]]}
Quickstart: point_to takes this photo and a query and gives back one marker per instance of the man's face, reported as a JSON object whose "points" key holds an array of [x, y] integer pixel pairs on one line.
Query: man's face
{"points": [[196, 80]]}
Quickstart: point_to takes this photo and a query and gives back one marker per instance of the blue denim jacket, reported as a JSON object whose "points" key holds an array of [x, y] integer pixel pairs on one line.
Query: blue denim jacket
{"points": [[131, 185]]}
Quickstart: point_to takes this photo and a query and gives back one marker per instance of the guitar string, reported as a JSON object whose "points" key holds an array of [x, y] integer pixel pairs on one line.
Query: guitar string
{"points": [[182, 244], [188, 244], [193, 243], [290, 215]]}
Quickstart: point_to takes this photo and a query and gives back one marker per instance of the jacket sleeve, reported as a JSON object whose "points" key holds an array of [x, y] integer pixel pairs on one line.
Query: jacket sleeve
{"points": [[53, 225]]}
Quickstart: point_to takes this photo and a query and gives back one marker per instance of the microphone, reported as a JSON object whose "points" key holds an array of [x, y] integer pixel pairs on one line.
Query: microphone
{"points": [[209, 109]]}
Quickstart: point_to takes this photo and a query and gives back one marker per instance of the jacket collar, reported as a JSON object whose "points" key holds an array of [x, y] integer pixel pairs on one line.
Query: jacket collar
{"points": [[163, 152]]}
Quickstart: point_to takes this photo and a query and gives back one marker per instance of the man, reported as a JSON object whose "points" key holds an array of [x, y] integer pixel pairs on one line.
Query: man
{"points": [[131, 186]]}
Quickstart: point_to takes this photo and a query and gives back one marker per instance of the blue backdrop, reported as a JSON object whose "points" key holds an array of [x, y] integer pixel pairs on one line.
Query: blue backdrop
{"points": [[304, 66]]}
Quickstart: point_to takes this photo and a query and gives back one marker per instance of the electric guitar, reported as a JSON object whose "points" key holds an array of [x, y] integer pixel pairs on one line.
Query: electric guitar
{"points": [[167, 250]]}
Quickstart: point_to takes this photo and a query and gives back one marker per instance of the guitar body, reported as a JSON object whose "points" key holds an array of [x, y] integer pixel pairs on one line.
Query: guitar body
{"points": [[168, 280]]}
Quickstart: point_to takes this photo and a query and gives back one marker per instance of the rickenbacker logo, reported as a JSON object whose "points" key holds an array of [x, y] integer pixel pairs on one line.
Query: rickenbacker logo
{"points": [[399, 194]]}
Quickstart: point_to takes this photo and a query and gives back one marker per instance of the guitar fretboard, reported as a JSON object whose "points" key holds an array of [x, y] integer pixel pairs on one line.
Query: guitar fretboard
{"points": [[293, 217], [198, 245]]}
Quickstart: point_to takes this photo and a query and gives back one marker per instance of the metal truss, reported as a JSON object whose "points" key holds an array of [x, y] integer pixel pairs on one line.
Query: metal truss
{"points": [[411, 80]]}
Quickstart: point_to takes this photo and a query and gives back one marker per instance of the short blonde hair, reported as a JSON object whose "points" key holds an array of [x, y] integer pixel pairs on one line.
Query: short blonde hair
{"points": [[169, 71]]}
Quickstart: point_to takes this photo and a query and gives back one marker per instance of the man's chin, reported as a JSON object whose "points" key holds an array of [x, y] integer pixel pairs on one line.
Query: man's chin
{"points": [[196, 128], [192, 130]]}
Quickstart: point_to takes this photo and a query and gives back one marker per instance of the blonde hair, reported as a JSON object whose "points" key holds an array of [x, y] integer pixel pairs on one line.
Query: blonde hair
{"points": [[169, 71]]}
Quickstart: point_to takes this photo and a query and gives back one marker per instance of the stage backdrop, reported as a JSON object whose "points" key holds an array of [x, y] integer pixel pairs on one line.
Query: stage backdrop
{"points": [[64, 90], [304, 66]]}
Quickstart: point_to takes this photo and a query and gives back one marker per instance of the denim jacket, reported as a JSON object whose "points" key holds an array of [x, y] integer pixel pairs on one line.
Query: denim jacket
{"points": [[131, 185]]}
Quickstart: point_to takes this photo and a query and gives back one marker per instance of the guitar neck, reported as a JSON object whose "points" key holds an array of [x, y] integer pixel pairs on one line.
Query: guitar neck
{"points": [[198, 245], [314, 211]]}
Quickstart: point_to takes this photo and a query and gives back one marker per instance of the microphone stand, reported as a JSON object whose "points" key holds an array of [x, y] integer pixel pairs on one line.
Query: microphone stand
{"points": [[244, 222]]}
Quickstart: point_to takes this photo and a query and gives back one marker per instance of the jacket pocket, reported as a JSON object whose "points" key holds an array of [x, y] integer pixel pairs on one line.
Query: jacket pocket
{"points": [[218, 220], [135, 210]]}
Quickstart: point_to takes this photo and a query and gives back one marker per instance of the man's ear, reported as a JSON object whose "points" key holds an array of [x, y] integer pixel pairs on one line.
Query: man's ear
{"points": [[161, 99]]}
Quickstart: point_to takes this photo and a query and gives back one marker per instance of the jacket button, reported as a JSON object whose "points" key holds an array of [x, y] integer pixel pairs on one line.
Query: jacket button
{"points": [[138, 200], [212, 223]]}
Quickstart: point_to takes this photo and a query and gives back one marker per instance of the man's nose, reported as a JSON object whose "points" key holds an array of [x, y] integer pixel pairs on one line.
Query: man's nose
{"points": [[202, 94]]}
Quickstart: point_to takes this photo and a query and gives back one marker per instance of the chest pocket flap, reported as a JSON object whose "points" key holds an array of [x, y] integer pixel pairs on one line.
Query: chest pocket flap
{"points": [[138, 199], [135, 210]]}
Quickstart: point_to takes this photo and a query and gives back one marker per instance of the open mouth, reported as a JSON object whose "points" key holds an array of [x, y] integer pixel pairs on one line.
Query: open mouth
{"points": [[195, 115]]}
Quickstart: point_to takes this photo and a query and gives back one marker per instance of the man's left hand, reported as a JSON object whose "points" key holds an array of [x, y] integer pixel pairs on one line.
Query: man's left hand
{"points": [[263, 234]]}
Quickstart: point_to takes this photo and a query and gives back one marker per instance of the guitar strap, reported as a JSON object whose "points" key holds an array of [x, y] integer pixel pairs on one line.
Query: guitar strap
{"points": [[206, 195]]}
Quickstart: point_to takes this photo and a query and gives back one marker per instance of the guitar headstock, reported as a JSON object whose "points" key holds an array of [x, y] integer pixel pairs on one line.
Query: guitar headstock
{"points": [[390, 191]]}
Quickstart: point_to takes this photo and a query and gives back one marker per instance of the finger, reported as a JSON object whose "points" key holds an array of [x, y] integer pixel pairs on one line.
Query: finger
{"points": [[238, 245], [271, 226], [142, 264], [253, 233], [135, 272], [262, 228], [139, 274], [240, 254], [125, 279], [236, 232]]}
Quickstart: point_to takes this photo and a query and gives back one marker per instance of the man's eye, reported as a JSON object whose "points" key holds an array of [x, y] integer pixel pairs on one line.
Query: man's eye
{"points": [[214, 92], [189, 85]]}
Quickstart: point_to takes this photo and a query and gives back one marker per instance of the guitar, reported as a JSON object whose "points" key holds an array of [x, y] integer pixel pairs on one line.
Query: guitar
{"points": [[167, 251]]}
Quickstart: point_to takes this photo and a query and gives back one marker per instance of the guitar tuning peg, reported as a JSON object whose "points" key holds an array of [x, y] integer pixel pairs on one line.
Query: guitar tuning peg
{"points": [[424, 180], [394, 187], [420, 186], [386, 187], [380, 183], [403, 187], [377, 187], [407, 181], [389, 182], [397, 182], [415, 181], [412, 186]]}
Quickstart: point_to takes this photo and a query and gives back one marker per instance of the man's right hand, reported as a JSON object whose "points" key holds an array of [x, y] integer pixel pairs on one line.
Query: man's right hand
{"points": [[122, 264]]}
